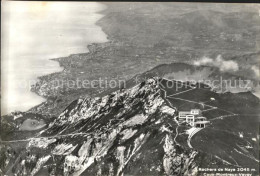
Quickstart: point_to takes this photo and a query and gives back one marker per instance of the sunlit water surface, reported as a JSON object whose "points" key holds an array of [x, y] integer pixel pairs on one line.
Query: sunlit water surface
{"points": [[35, 32]]}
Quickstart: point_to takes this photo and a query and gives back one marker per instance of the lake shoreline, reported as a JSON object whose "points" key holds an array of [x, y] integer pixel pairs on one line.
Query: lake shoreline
{"points": [[60, 69], [60, 60], [125, 50]]}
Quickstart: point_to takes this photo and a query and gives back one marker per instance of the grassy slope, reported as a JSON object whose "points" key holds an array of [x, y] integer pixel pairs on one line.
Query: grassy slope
{"points": [[222, 137]]}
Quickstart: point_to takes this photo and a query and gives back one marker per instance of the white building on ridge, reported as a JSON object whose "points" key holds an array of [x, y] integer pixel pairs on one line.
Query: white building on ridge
{"points": [[193, 117]]}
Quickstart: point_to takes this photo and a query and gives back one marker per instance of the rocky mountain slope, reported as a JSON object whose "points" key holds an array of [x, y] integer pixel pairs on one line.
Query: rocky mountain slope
{"points": [[128, 132]]}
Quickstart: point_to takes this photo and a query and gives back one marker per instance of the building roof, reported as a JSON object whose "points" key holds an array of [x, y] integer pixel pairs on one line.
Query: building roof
{"points": [[201, 122], [201, 117], [184, 112]]}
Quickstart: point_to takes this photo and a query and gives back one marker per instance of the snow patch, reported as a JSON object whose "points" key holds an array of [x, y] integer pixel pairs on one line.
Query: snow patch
{"points": [[136, 120], [85, 149], [40, 142], [167, 110], [39, 164], [120, 157], [63, 149], [128, 133], [158, 121]]}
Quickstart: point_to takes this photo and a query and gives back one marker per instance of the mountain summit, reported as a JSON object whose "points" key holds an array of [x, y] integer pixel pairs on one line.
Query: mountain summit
{"points": [[131, 131]]}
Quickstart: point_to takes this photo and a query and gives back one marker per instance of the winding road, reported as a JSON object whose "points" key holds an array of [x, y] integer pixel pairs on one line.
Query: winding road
{"points": [[193, 129]]}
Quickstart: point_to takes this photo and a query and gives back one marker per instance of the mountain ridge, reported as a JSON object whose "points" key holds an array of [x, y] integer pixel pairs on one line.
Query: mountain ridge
{"points": [[128, 132]]}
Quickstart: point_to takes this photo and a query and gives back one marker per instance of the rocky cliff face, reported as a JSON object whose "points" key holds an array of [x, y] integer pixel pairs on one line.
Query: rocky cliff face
{"points": [[131, 132], [128, 132]]}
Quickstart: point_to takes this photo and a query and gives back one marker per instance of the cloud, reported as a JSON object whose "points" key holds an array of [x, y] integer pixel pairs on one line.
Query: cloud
{"points": [[219, 62], [204, 61], [256, 70]]}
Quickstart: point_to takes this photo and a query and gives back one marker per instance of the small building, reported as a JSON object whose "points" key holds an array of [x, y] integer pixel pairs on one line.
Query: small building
{"points": [[193, 118], [201, 124], [189, 116]]}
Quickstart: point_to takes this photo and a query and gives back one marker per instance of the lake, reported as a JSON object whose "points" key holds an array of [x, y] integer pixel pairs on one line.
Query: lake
{"points": [[35, 32]]}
